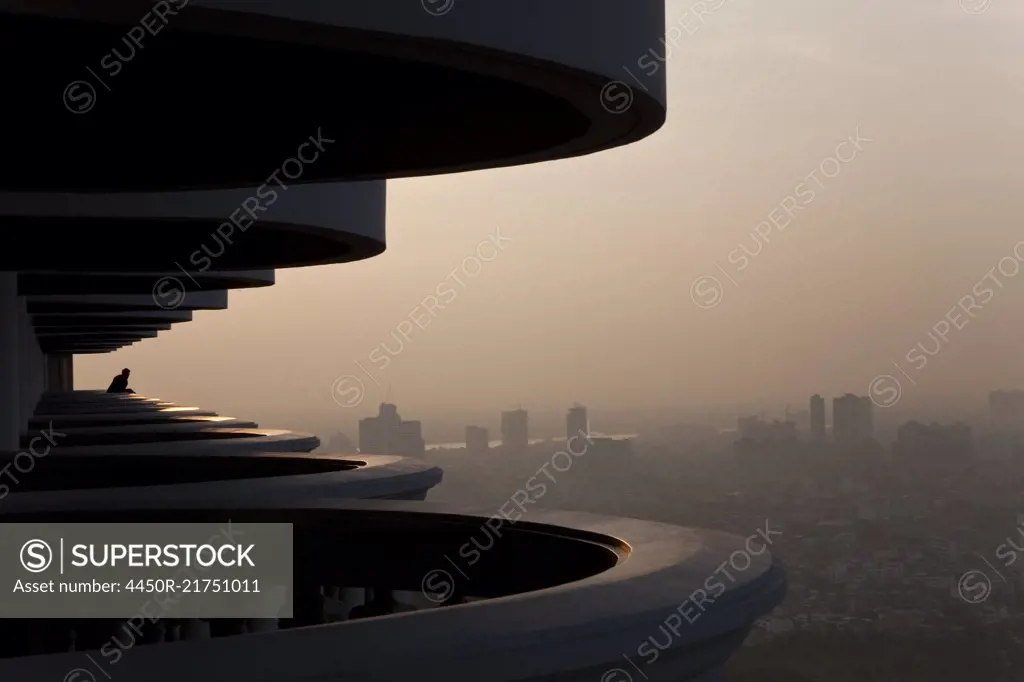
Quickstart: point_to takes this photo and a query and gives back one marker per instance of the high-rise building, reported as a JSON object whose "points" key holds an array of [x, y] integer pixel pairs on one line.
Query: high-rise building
{"points": [[576, 423], [817, 418], [515, 431], [409, 439], [852, 419], [376, 433], [387, 434], [477, 440]]}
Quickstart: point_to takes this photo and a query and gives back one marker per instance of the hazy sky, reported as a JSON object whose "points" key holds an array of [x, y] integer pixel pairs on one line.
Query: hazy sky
{"points": [[592, 298]]}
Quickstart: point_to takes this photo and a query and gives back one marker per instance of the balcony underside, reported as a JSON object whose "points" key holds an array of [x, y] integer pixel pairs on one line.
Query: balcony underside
{"points": [[396, 91], [86, 243]]}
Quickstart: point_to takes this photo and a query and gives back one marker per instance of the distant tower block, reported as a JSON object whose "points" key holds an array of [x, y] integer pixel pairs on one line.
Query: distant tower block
{"points": [[817, 417], [515, 431], [576, 423], [852, 419], [477, 440], [388, 434]]}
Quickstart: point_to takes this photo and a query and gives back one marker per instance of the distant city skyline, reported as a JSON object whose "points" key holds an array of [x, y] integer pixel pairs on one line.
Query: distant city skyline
{"points": [[449, 429]]}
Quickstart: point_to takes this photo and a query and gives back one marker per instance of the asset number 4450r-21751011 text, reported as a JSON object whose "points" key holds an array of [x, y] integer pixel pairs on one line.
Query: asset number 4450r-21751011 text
{"points": [[194, 586]]}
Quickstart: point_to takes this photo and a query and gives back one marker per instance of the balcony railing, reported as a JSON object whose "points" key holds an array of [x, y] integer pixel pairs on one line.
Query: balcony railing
{"points": [[558, 596]]}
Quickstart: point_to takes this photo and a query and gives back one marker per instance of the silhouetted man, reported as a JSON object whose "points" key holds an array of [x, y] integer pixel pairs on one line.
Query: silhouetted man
{"points": [[120, 383]]}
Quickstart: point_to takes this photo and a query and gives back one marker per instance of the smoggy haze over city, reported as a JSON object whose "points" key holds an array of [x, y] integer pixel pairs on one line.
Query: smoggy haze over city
{"points": [[866, 155]]}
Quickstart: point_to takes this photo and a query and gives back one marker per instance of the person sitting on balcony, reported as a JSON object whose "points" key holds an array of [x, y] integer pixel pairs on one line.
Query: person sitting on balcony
{"points": [[120, 383], [383, 604]]}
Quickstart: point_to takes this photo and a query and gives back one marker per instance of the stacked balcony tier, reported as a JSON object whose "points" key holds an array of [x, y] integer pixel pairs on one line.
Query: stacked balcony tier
{"points": [[560, 596]]}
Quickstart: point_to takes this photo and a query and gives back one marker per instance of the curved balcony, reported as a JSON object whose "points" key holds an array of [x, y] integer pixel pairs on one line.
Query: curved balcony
{"points": [[157, 480], [113, 407], [79, 304], [168, 289], [439, 86], [553, 596], [56, 332], [97, 402], [231, 230], [163, 415], [80, 321], [159, 440], [71, 343], [85, 326], [101, 403], [156, 427], [96, 396], [98, 348]]}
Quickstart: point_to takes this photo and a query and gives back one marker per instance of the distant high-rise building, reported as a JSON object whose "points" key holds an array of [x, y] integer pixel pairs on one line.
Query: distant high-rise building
{"points": [[387, 434], [576, 423], [410, 439], [817, 417], [477, 440], [852, 419], [515, 431], [1006, 409], [867, 417], [375, 432]]}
